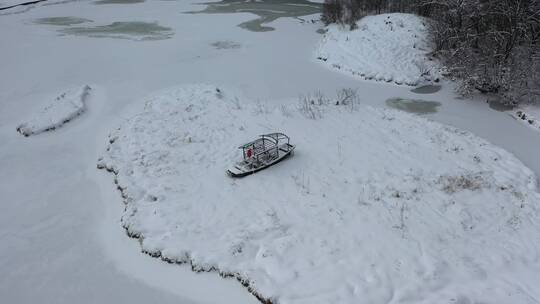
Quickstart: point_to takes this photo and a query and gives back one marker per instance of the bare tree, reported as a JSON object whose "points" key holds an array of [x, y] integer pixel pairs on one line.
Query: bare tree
{"points": [[490, 46]]}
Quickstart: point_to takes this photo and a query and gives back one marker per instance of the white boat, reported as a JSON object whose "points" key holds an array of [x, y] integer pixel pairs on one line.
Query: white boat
{"points": [[261, 153]]}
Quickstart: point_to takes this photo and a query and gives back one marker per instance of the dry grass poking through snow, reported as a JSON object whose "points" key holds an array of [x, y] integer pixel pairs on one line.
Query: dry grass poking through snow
{"points": [[471, 182]]}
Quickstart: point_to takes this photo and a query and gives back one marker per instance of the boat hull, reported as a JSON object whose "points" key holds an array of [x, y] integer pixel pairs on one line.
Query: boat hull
{"points": [[241, 172]]}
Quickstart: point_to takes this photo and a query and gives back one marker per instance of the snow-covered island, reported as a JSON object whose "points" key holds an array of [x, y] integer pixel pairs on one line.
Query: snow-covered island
{"points": [[376, 206], [387, 47], [62, 109]]}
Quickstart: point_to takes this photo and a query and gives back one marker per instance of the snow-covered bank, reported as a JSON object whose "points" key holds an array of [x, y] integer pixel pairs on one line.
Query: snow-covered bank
{"points": [[9, 4], [528, 115], [9, 7], [387, 47], [62, 109], [377, 205]]}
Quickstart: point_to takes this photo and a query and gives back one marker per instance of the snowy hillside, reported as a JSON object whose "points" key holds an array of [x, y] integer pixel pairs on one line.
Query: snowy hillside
{"points": [[386, 47], [376, 206], [59, 111]]}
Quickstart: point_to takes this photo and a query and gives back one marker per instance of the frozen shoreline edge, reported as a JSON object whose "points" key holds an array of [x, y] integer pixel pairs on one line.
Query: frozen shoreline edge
{"points": [[187, 260], [22, 4], [32, 128]]}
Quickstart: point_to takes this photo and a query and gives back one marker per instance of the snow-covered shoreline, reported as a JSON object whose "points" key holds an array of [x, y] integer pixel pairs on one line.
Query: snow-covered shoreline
{"points": [[529, 115], [61, 110], [387, 47], [5, 5], [460, 204]]}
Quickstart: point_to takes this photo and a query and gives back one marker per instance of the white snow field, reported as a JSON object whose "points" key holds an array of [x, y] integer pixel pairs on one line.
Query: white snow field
{"points": [[376, 205], [387, 47], [62, 109], [61, 238]]}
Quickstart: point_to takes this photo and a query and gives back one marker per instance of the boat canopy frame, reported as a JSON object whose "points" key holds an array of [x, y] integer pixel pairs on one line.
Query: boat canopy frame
{"points": [[261, 153], [265, 145]]}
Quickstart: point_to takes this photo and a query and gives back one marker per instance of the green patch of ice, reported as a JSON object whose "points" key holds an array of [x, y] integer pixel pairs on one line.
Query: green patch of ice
{"points": [[135, 30], [266, 10], [416, 106], [427, 89], [118, 1], [61, 21], [225, 44]]}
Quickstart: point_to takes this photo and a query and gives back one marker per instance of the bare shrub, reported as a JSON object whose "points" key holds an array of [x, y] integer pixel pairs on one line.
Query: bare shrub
{"points": [[237, 104], [344, 12], [332, 11], [311, 105], [308, 107], [285, 111], [261, 108], [423, 68], [302, 182], [320, 99], [348, 97]]}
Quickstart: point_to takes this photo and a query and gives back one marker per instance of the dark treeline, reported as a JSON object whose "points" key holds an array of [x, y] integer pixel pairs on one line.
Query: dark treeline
{"points": [[347, 12], [489, 46]]}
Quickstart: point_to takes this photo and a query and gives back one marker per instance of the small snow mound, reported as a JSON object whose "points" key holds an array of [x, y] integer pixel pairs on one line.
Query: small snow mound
{"points": [[61, 110], [376, 205], [387, 47]]}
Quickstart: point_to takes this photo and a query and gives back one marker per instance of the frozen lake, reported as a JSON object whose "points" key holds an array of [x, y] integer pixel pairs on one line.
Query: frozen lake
{"points": [[59, 217], [266, 11]]}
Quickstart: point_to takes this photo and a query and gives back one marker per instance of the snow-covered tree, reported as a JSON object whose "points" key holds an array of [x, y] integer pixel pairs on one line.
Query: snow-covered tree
{"points": [[491, 46]]}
